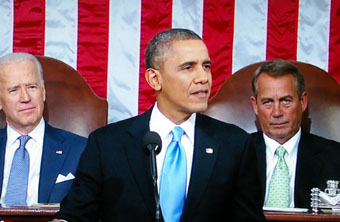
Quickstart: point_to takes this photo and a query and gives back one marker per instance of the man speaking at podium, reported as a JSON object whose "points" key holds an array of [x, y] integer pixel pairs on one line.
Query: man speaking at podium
{"points": [[206, 167]]}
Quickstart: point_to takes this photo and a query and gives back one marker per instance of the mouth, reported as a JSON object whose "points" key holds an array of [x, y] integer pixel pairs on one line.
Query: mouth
{"points": [[278, 125], [203, 93], [26, 109]]}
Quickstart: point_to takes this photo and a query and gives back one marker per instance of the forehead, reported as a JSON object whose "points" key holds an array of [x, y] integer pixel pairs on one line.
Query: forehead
{"points": [[268, 84], [187, 50], [188, 45], [18, 71]]}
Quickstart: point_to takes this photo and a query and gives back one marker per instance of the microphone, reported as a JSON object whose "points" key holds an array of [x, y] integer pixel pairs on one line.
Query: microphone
{"points": [[153, 143]]}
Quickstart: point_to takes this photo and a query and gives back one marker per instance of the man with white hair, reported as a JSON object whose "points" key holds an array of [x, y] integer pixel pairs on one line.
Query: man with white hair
{"points": [[37, 161]]}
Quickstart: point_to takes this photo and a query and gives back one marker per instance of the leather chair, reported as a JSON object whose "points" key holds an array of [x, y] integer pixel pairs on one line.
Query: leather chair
{"points": [[232, 102], [70, 102]]}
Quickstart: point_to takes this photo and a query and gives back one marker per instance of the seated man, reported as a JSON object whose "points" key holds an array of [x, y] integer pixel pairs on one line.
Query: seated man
{"points": [[205, 166], [291, 161], [37, 161]]}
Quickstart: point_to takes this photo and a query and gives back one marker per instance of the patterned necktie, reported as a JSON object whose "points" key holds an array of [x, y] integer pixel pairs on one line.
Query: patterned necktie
{"points": [[173, 178], [16, 193], [279, 185]]}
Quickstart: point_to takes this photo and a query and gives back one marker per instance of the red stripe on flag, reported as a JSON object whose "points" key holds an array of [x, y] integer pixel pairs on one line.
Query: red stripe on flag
{"points": [[218, 31], [334, 41], [156, 17], [282, 29], [29, 26], [93, 31]]}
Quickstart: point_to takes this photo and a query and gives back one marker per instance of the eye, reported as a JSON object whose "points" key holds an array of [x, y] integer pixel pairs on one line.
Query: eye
{"points": [[267, 102], [286, 101], [188, 67], [13, 90], [32, 87], [207, 66]]}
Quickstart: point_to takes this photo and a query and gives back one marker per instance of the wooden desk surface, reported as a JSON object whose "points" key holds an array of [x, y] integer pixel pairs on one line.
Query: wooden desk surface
{"points": [[27, 214], [43, 214], [293, 216]]}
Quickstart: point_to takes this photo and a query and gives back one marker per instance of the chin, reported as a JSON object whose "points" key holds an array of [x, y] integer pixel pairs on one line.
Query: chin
{"points": [[200, 108]]}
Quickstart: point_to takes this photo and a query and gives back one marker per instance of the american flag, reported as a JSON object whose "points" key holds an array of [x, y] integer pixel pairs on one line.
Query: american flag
{"points": [[105, 40]]}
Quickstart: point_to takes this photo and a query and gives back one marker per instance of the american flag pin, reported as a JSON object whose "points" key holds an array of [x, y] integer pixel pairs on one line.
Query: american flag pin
{"points": [[59, 152], [209, 150]]}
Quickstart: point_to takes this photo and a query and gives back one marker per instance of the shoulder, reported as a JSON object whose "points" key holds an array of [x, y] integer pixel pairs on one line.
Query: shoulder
{"points": [[62, 134], [256, 136], [320, 142], [116, 128], [225, 134], [215, 125]]}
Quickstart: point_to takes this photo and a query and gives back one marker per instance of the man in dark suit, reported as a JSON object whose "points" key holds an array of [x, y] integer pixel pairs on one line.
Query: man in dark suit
{"points": [[279, 100], [37, 161], [113, 180]]}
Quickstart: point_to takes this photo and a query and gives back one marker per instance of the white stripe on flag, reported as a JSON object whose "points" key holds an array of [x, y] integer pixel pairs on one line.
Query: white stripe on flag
{"points": [[61, 31], [123, 59], [250, 33], [188, 14], [6, 24], [313, 32]]}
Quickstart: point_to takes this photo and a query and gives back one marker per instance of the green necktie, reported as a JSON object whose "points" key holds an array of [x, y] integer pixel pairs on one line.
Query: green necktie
{"points": [[279, 185]]}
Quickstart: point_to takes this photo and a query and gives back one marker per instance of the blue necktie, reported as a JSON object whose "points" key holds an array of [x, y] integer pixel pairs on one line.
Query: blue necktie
{"points": [[16, 193], [173, 178]]}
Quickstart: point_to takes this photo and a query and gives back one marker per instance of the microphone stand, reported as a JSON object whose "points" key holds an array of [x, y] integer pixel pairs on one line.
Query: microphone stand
{"points": [[154, 178]]}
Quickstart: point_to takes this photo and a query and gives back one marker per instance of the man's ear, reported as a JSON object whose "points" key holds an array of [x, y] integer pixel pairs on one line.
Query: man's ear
{"points": [[304, 101], [154, 79], [254, 104], [44, 94]]}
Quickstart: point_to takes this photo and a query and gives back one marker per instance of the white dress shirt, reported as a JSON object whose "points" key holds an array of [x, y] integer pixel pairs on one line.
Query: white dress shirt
{"points": [[291, 146], [34, 148], [163, 126]]}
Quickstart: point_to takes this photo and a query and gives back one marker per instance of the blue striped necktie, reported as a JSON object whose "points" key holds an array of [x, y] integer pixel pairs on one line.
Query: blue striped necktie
{"points": [[173, 178], [16, 193]]}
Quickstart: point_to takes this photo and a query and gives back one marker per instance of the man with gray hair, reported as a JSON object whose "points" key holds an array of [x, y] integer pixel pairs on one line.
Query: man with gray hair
{"points": [[291, 161], [37, 161]]}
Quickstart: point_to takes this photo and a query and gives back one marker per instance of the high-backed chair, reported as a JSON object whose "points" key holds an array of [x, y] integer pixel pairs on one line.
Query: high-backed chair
{"points": [[322, 117], [70, 102]]}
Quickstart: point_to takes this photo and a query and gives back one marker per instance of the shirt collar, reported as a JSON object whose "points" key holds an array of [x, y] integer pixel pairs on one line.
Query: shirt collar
{"points": [[163, 126], [35, 134], [290, 146]]}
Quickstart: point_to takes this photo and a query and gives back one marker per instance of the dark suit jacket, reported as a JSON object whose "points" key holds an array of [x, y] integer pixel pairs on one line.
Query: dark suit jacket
{"points": [[113, 179], [61, 153], [318, 160]]}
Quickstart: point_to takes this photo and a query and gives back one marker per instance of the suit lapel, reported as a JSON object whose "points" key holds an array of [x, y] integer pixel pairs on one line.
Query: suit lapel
{"points": [[260, 148], [308, 170], [138, 159], [53, 156], [203, 162], [3, 140]]}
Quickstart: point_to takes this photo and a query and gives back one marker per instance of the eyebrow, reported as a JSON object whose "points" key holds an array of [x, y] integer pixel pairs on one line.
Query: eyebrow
{"points": [[280, 98], [194, 62]]}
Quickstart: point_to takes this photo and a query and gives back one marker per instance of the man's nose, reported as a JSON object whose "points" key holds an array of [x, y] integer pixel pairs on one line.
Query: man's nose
{"points": [[24, 95]]}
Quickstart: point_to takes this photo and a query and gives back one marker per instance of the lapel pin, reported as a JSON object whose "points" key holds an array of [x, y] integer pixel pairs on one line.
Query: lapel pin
{"points": [[59, 152], [209, 150]]}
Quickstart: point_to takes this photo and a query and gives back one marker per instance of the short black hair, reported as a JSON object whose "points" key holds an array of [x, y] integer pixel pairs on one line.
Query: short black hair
{"points": [[159, 45]]}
